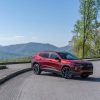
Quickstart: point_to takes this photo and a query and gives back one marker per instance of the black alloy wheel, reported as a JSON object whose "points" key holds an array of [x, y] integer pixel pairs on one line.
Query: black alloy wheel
{"points": [[36, 69], [66, 73]]}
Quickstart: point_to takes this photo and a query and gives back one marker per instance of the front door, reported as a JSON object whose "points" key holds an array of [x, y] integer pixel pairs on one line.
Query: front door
{"points": [[54, 63]]}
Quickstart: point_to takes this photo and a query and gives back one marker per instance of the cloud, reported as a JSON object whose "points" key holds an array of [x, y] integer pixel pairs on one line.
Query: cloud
{"points": [[16, 39], [19, 36], [10, 38]]}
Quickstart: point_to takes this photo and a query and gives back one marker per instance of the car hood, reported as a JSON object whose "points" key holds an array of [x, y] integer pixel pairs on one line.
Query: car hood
{"points": [[77, 61], [81, 61]]}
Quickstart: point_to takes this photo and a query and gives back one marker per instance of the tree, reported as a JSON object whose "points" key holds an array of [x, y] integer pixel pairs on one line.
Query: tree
{"points": [[86, 28]]}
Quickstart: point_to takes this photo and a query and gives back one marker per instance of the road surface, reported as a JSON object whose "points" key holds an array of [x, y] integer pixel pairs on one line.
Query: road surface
{"points": [[52, 87]]}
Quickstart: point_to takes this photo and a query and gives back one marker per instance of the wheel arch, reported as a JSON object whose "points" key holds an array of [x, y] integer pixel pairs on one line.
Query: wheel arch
{"points": [[65, 66], [34, 63]]}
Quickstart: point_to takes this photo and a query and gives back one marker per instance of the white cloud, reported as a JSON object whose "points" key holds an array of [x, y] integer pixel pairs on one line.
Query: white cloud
{"points": [[19, 36], [16, 39]]}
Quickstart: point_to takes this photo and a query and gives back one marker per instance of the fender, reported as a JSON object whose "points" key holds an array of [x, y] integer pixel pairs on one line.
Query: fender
{"points": [[34, 62]]}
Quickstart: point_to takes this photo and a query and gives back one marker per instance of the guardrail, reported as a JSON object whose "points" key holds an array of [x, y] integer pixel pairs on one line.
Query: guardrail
{"points": [[92, 59], [14, 63]]}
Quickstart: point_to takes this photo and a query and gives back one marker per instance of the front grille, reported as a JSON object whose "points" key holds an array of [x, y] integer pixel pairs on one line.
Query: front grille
{"points": [[87, 67]]}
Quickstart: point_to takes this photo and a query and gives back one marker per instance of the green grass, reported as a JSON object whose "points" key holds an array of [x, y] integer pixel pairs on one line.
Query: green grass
{"points": [[24, 59]]}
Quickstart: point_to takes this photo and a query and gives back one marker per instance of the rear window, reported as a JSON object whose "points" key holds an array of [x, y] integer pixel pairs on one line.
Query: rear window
{"points": [[45, 55]]}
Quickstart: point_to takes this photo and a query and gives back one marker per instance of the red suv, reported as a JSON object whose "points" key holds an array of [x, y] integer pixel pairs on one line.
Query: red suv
{"points": [[63, 63]]}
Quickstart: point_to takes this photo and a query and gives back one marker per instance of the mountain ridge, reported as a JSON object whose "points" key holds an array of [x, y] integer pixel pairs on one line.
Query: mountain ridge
{"points": [[28, 49]]}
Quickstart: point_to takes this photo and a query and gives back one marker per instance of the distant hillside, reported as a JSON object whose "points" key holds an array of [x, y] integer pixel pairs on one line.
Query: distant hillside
{"points": [[28, 49]]}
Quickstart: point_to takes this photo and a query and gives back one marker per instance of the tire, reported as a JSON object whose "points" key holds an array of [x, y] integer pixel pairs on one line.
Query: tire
{"points": [[36, 69], [84, 76], [66, 73]]}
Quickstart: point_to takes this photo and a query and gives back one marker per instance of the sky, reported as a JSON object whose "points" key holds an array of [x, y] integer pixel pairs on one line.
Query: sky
{"points": [[42, 21]]}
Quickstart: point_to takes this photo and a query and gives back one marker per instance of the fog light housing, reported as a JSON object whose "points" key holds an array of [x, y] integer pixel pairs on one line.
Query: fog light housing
{"points": [[76, 68]]}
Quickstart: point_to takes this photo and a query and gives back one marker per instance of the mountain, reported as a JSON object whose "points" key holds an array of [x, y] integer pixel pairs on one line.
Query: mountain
{"points": [[28, 49]]}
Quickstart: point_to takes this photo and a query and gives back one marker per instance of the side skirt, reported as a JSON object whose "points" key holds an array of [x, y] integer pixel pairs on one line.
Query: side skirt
{"points": [[51, 70]]}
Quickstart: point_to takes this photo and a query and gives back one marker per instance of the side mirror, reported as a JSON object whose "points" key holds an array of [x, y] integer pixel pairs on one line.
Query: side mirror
{"points": [[57, 58]]}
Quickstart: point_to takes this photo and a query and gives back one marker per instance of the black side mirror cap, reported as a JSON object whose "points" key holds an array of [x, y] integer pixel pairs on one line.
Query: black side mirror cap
{"points": [[58, 59]]}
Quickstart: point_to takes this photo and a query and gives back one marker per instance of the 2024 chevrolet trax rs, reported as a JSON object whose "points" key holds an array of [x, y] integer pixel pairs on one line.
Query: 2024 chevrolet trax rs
{"points": [[64, 63]]}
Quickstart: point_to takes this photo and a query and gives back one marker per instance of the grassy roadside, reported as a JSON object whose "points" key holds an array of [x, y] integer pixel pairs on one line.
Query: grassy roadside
{"points": [[18, 60]]}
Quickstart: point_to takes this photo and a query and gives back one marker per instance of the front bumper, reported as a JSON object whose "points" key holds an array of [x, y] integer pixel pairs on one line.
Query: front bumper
{"points": [[86, 69], [82, 72]]}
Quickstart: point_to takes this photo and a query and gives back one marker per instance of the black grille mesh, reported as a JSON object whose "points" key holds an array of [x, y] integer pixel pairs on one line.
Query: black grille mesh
{"points": [[87, 67]]}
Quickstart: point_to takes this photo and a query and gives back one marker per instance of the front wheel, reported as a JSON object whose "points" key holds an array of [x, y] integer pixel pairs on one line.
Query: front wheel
{"points": [[36, 69], [66, 73]]}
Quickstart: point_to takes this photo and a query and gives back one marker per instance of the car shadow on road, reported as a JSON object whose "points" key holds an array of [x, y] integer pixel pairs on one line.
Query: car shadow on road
{"points": [[89, 79]]}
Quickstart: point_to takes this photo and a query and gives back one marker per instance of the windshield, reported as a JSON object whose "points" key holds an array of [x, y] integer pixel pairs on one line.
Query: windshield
{"points": [[68, 56]]}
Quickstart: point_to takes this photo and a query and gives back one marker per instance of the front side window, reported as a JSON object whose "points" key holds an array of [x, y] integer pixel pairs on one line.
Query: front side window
{"points": [[53, 56], [68, 56]]}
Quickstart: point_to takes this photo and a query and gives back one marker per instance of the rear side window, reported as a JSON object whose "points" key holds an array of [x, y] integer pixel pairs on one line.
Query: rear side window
{"points": [[45, 55]]}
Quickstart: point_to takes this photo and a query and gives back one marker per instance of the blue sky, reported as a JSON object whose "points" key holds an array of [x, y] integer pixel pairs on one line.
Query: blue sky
{"points": [[44, 21]]}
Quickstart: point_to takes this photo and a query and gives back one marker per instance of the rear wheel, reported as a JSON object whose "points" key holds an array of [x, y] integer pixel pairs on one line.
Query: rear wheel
{"points": [[66, 72], [84, 76], [36, 69]]}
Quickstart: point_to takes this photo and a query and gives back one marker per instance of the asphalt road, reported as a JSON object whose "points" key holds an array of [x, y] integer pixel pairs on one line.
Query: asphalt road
{"points": [[52, 87]]}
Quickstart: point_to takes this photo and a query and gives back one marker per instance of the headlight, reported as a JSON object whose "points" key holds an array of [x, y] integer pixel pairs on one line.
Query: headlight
{"points": [[78, 67]]}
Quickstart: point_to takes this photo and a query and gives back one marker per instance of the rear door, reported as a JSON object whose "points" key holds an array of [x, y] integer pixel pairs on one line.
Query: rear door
{"points": [[44, 59]]}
